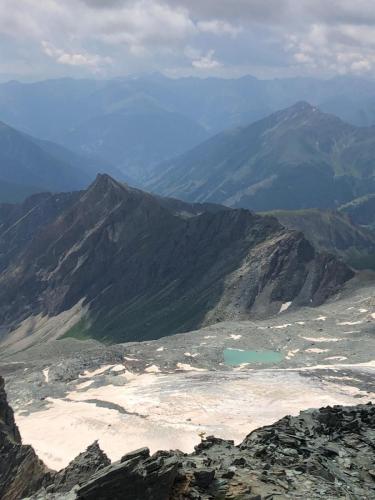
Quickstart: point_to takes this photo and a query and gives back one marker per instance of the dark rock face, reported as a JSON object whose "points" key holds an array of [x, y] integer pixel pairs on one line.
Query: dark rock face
{"points": [[146, 270], [334, 232], [137, 478], [21, 472], [80, 469]]}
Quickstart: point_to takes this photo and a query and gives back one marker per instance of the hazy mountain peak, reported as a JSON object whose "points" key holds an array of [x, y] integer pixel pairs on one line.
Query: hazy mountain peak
{"points": [[298, 157], [300, 110]]}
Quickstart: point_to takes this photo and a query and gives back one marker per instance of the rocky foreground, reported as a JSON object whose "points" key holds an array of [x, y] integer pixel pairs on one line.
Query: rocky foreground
{"points": [[327, 453]]}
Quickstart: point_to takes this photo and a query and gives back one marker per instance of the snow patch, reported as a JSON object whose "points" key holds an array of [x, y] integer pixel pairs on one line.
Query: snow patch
{"points": [[118, 368], [46, 374], [316, 350], [349, 323], [152, 369], [285, 307], [292, 353], [188, 368]]}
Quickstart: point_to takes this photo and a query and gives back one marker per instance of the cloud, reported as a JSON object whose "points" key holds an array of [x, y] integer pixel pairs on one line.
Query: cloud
{"points": [[73, 58], [218, 27], [145, 24], [316, 37], [206, 61], [338, 49]]}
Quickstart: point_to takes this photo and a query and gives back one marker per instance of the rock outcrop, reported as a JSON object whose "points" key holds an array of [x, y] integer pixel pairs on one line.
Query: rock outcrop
{"points": [[145, 267], [21, 472]]}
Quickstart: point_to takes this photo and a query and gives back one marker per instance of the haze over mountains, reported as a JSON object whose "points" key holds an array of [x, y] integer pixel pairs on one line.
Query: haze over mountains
{"points": [[136, 122]]}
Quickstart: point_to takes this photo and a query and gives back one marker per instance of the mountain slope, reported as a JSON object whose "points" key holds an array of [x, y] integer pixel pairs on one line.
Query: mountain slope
{"points": [[361, 210], [333, 232], [137, 270], [295, 158], [29, 165], [25, 163]]}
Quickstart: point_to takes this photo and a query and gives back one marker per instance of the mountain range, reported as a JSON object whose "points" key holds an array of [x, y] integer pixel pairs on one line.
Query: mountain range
{"points": [[131, 266], [295, 158], [168, 115]]}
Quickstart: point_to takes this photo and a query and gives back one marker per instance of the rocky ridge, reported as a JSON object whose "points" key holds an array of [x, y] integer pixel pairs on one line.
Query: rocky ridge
{"points": [[321, 453], [145, 267]]}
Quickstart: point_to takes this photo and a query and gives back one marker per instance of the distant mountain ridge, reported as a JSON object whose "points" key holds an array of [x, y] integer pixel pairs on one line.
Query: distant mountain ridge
{"points": [[29, 165], [79, 114], [295, 158], [135, 267]]}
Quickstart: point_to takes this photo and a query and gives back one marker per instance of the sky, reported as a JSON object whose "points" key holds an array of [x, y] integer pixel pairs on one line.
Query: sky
{"points": [[228, 38]]}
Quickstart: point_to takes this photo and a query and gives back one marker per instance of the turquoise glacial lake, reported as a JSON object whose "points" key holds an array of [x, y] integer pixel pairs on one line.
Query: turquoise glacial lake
{"points": [[235, 357]]}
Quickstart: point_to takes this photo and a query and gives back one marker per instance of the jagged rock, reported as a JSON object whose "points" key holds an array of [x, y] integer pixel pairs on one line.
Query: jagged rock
{"points": [[143, 479], [80, 469], [21, 472]]}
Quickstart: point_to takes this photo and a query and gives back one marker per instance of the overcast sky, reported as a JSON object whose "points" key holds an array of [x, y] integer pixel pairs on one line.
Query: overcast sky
{"points": [[109, 38]]}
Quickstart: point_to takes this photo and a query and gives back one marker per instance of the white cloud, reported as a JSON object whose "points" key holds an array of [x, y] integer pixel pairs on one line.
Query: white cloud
{"points": [[144, 24], [74, 58], [218, 27], [206, 61], [305, 36], [339, 49]]}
